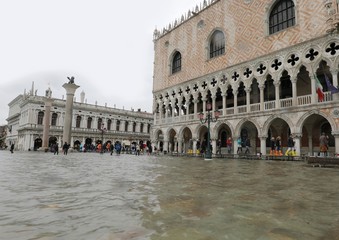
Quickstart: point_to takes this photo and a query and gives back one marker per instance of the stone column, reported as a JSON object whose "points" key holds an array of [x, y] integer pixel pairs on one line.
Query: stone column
{"points": [[336, 139], [235, 101], [314, 97], [194, 147], [179, 145], [213, 103], [195, 108], [234, 140], [248, 99], [277, 94], [224, 95], [70, 90], [294, 92], [204, 105], [165, 146], [214, 146], [47, 122], [262, 99], [297, 138], [263, 145]]}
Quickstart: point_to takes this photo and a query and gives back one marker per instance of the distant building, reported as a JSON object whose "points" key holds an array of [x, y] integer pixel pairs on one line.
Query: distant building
{"points": [[262, 64], [90, 125]]}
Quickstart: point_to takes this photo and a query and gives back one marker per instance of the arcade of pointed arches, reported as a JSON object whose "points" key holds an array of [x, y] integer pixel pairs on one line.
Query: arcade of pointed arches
{"points": [[306, 134], [282, 88]]}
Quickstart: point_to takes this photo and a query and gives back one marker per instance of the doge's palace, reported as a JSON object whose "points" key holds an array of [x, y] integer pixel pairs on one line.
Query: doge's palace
{"points": [[268, 67]]}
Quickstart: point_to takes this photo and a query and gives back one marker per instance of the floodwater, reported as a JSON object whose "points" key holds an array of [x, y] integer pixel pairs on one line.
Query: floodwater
{"points": [[102, 197]]}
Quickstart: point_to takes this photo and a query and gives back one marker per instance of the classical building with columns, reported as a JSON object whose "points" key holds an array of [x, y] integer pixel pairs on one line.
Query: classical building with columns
{"points": [[91, 123], [263, 64]]}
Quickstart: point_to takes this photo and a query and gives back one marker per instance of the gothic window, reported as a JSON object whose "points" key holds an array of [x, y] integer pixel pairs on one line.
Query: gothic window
{"points": [[176, 63], [78, 122], [282, 16], [217, 44], [40, 118], [54, 119], [89, 122]]}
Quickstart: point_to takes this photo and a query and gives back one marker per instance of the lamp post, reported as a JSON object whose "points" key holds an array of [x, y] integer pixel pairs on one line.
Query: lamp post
{"points": [[103, 129], [209, 118]]}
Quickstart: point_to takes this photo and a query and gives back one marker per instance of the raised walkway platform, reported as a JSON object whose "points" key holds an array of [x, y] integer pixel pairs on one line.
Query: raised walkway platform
{"points": [[323, 161], [245, 156]]}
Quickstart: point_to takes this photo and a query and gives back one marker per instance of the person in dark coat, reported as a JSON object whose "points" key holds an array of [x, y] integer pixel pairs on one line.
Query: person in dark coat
{"points": [[56, 149], [65, 147], [12, 148]]}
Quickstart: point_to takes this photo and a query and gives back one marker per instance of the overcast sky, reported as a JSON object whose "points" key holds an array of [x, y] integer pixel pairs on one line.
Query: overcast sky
{"points": [[107, 45]]}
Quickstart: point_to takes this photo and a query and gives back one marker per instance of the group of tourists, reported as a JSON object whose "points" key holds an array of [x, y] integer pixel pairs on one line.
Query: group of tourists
{"points": [[241, 143], [276, 148], [55, 148]]}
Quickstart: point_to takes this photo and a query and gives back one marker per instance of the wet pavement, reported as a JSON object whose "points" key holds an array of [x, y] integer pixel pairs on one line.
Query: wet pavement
{"points": [[98, 196]]}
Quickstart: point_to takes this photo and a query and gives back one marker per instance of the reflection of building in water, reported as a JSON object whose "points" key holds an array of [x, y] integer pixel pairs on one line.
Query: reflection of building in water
{"points": [[261, 64], [27, 114]]}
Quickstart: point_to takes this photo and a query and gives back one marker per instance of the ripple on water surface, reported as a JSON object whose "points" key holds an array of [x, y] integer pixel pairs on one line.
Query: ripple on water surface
{"points": [[94, 196]]}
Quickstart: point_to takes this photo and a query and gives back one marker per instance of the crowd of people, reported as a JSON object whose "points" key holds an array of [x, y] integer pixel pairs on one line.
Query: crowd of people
{"points": [[108, 147], [137, 149]]}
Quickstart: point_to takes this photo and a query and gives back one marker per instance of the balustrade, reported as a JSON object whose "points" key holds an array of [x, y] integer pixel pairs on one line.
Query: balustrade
{"points": [[256, 107]]}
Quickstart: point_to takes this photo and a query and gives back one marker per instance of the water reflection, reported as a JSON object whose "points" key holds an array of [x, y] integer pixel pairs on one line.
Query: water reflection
{"points": [[93, 196]]}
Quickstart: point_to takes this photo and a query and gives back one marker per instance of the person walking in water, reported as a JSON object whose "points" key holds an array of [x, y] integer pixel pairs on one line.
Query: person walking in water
{"points": [[239, 142], [229, 145], [323, 145], [278, 146], [290, 146], [65, 148], [56, 149], [272, 143], [12, 148]]}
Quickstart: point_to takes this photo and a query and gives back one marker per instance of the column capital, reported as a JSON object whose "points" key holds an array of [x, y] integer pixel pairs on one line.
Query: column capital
{"points": [[297, 135]]}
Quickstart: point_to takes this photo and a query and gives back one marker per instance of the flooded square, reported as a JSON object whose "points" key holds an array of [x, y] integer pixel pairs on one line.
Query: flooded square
{"points": [[98, 196]]}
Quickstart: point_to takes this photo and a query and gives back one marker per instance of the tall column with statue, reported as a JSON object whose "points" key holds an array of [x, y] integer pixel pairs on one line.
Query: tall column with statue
{"points": [[70, 87], [47, 119]]}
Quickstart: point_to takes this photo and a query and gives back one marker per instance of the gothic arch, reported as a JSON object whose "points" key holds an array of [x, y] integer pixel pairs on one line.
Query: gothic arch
{"points": [[180, 132], [217, 127], [156, 133], [242, 122], [268, 122], [303, 118]]}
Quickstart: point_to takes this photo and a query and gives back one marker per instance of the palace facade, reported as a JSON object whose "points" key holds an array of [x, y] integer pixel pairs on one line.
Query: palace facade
{"points": [[267, 67], [91, 124]]}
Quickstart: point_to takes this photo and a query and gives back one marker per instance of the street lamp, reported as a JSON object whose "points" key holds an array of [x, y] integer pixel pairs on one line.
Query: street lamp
{"points": [[209, 118], [103, 129]]}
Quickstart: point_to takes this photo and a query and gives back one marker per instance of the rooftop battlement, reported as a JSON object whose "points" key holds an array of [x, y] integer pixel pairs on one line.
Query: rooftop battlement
{"points": [[184, 17]]}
